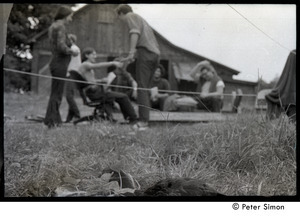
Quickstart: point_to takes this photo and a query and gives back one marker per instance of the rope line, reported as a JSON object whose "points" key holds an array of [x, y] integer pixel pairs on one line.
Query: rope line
{"points": [[118, 86], [261, 30]]}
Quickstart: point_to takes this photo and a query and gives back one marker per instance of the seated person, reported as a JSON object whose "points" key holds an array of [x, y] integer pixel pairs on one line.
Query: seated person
{"points": [[158, 83], [210, 86], [96, 92], [124, 78]]}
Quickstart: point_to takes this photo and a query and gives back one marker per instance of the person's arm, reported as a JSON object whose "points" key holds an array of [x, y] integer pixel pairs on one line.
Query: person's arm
{"points": [[90, 66], [219, 91], [195, 72], [166, 87], [134, 86], [61, 41], [135, 26], [133, 42]]}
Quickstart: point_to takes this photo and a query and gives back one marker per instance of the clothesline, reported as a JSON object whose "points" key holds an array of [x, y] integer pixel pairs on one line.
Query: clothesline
{"points": [[118, 86]]}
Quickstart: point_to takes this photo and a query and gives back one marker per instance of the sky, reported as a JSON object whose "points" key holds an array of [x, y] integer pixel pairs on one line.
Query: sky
{"points": [[226, 33]]}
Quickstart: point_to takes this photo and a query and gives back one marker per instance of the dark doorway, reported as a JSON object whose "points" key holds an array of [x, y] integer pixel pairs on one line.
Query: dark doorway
{"points": [[165, 64]]}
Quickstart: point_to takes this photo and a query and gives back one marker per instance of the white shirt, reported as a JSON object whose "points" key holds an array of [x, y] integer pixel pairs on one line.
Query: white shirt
{"points": [[75, 61], [206, 86]]}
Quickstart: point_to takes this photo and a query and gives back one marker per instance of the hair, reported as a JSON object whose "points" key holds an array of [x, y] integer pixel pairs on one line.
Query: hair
{"points": [[86, 51], [72, 38], [123, 8], [209, 67], [162, 70], [203, 68], [62, 12]]}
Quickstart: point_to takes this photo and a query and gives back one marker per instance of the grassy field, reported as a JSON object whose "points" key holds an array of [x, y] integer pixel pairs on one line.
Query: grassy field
{"points": [[242, 157]]}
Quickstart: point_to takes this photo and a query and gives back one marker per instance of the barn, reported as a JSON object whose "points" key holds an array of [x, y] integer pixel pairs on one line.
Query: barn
{"points": [[97, 26]]}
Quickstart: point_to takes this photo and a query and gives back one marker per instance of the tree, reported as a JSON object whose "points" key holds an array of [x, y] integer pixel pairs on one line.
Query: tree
{"points": [[25, 21], [265, 85]]}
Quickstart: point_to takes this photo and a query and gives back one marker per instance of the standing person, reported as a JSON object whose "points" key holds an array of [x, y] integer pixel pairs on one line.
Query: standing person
{"points": [[142, 43], [210, 86], [157, 100], [61, 55], [97, 92], [71, 86]]}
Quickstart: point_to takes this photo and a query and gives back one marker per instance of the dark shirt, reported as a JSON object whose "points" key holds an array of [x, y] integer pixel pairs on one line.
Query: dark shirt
{"points": [[161, 84], [58, 39], [123, 79]]}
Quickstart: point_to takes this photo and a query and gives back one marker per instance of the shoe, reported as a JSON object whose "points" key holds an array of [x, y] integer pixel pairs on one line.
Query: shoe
{"points": [[72, 120], [140, 126]]}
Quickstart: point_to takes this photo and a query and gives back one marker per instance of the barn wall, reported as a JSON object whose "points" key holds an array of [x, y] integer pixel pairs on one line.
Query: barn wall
{"points": [[97, 26]]}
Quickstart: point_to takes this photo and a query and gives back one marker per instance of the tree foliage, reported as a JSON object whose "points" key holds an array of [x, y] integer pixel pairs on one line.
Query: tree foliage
{"points": [[25, 21], [265, 85]]}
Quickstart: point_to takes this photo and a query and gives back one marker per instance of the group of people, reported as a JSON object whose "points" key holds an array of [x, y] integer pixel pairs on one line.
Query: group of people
{"points": [[67, 57]]}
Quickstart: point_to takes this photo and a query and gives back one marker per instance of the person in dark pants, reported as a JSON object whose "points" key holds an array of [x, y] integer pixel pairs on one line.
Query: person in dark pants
{"points": [[61, 54], [71, 89], [97, 92], [210, 86], [144, 45]]}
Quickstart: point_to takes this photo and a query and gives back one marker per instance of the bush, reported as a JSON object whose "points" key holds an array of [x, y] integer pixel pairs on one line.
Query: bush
{"points": [[15, 81]]}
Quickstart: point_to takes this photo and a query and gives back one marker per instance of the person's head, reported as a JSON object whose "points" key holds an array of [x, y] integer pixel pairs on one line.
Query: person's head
{"points": [[89, 54], [64, 13], [72, 38], [207, 72], [159, 72], [123, 9]]}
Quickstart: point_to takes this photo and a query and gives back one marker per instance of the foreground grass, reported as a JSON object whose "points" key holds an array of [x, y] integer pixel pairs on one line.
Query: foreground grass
{"points": [[246, 156]]}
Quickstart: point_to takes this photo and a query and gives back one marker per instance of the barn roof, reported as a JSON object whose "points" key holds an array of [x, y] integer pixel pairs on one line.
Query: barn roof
{"points": [[234, 72]]}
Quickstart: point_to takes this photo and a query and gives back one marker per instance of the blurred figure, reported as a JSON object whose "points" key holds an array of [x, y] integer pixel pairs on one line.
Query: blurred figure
{"points": [[71, 90], [283, 95], [210, 86], [142, 43], [158, 98], [5, 11], [61, 55], [124, 78]]}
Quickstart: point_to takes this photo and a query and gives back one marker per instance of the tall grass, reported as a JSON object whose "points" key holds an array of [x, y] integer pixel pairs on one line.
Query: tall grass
{"points": [[244, 156]]}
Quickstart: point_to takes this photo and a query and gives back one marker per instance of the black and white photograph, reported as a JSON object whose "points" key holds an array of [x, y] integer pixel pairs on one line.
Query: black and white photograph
{"points": [[109, 101]]}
